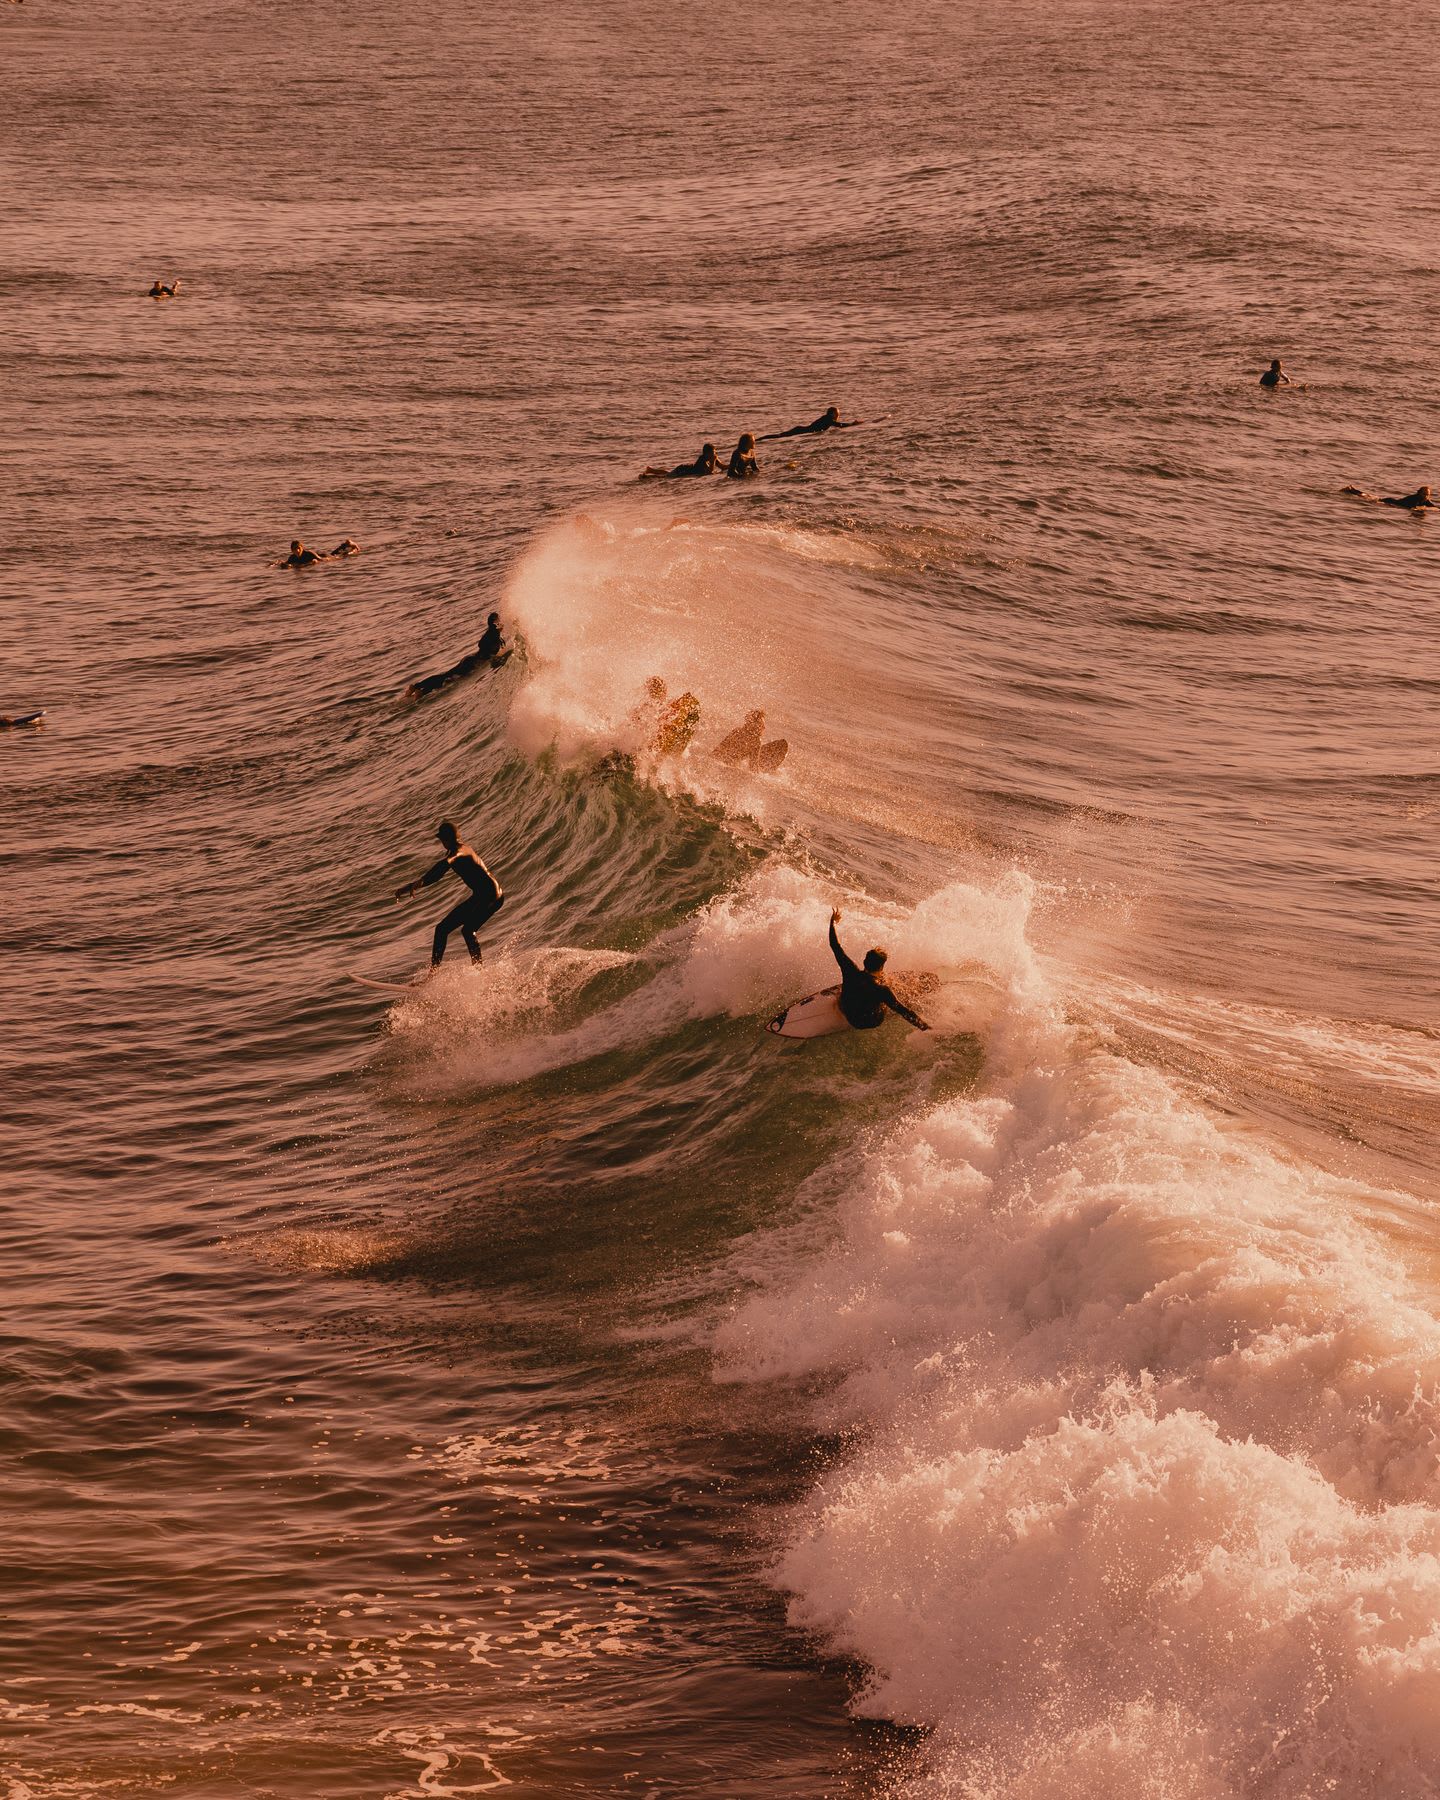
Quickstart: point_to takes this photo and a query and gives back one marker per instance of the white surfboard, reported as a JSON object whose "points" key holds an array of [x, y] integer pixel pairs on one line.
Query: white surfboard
{"points": [[817, 1015]]}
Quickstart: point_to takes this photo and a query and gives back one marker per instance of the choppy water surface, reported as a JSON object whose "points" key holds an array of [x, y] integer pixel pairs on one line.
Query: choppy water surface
{"points": [[546, 1384]]}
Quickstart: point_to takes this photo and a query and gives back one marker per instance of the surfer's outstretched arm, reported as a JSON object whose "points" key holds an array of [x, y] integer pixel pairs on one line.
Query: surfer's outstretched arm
{"points": [[899, 1006], [428, 879]]}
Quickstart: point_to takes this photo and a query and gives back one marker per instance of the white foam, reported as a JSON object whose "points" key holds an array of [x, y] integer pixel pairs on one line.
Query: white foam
{"points": [[751, 951], [1148, 1496]]}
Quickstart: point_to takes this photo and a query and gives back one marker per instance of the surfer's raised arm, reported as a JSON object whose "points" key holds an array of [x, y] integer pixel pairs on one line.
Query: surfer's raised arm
{"points": [[847, 967]]}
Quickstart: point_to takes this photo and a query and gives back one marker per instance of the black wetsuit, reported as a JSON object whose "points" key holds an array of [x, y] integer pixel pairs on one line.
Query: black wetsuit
{"points": [[864, 997], [486, 651], [742, 466], [486, 899], [823, 423], [1415, 502]]}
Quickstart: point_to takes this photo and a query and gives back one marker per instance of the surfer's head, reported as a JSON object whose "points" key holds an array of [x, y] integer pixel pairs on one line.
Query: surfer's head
{"points": [[747, 443], [448, 835], [493, 619], [296, 546], [832, 415], [708, 455], [874, 961]]}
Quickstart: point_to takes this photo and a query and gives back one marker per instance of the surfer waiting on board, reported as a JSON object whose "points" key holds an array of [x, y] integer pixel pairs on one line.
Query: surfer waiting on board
{"points": [[159, 291], [486, 894], [1275, 376], [829, 420], [863, 995]]}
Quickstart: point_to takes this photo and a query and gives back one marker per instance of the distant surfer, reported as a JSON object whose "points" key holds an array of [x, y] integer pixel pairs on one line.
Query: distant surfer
{"points": [[1275, 376], [490, 647], [706, 463], [829, 420], [486, 894], [742, 465], [159, 291], [1416, 502], [745, 746], [302, 558], [22, 721], [863, 995]]}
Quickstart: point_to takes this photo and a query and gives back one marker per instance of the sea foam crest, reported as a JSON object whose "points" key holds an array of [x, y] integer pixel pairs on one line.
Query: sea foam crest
{"points": [[1147, 1495]]}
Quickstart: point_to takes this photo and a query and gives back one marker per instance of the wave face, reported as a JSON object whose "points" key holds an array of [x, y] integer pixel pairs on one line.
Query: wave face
{"points": [[542, 1380]]}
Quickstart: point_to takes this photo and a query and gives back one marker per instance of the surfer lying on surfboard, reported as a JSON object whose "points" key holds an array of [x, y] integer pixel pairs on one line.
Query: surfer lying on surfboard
{"points": [[490, 649], [486, 894], [863, 995]]}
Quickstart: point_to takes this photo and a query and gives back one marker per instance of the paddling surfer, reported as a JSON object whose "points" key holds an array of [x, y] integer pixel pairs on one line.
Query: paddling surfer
{"points": [[1419, 501], [486, 894], [863, 995], [490, 646], [1275, 376], [829, 420]]}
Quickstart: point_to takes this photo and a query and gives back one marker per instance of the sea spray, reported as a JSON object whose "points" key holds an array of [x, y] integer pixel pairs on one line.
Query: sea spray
{"points": [[1144, 1490]]}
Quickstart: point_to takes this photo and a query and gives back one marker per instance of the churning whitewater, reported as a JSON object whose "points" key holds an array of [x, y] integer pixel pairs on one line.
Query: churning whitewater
{"points": [[535, 1378]]}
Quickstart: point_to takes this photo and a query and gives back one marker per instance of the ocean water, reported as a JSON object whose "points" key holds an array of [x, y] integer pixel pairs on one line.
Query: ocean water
{"points": [[545, 1383]]}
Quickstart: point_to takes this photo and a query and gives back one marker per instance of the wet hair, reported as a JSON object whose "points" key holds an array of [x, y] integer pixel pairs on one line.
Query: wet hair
{"points": [[445, 831], [707, 453], [295, 545], [493, 619], [874, 961], [747, 441], [832, 412]]}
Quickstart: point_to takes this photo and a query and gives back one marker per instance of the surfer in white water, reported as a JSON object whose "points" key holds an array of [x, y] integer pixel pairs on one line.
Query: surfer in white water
{"points": [[486, 894], [863, 995], [490, 646], [829, 420], [706, 463], [1275, 376]]}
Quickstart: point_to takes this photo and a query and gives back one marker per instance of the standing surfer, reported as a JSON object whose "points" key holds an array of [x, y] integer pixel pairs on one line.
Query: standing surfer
{"points": [[863, 995], [486, 894]]}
